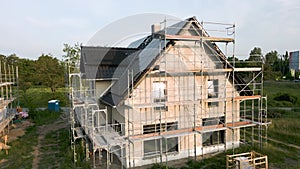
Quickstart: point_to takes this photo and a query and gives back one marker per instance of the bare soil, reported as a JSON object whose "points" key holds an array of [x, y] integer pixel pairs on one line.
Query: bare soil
{"points": [[42, 131], [18, 129]]}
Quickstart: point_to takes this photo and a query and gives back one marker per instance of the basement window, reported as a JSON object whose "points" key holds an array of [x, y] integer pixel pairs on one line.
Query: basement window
{"points": [[213, 138]]}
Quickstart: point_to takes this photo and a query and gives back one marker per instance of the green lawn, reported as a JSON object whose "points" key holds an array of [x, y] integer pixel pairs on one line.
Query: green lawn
{"points": [[36, 97], [277, 88]]}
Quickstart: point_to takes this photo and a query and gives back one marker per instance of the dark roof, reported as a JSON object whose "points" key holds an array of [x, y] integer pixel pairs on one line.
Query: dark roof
{"points": [[142, 60], [101, 62], [141, 63]]}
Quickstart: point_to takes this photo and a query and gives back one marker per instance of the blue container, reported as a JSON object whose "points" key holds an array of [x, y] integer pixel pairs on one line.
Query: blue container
{"points": [[53, 105]]}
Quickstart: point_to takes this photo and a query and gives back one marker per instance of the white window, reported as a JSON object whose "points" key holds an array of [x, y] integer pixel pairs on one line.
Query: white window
{"points": [[159, 91], [212, 88]]}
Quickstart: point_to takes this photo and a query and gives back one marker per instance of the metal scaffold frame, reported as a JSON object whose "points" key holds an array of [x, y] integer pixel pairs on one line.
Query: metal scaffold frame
{"points": [[8, 78], [87, 122], [201, 104], [258, 116]]}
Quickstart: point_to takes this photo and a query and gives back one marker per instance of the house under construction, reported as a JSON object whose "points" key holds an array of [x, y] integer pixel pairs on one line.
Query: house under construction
{"points": [[8, 78], [171, 95]]}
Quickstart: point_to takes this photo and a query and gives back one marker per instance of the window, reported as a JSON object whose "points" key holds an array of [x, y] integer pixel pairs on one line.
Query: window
{"points": [[212, 88], [213, 121], [117, 126], [155, 128], [152, 147], [162, 108], [159, 91], [213, 104], [213, 138]]}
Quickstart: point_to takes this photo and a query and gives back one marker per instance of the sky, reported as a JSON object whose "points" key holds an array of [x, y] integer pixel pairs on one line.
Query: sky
{"points": [[34, 27]]}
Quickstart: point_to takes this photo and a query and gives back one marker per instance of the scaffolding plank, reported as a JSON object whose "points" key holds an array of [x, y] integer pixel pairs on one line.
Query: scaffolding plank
{"points": [[201, 129], [197, 38], [5, 122], [5, 103], [248, 69], [6, 84], [79, 133], [242, 98], [200, 70]]}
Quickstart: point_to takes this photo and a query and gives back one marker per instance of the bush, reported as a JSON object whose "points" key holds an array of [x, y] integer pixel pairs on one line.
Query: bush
{"points": [[277, 113], [160, 166], [40, 117], [286, 97]]}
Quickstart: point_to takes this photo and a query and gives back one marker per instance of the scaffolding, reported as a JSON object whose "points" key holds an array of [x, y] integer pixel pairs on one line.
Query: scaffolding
{"points": [[189, 103], [8, 79], [247, 160], [89, 121]]}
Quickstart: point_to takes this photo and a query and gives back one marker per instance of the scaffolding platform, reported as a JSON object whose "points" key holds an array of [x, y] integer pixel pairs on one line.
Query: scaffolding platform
{"points": [[247, 160], [198, 38]]}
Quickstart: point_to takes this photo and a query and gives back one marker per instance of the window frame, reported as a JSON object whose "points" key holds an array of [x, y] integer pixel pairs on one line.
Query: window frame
{"points": [[214, 87], [213, 138], [157, 88]]}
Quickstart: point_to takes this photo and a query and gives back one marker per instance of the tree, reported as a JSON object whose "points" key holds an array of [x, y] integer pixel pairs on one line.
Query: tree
{"points": [[27, 73], [12, 59], [272, 65], [72, 55], [50, 72], [285, 64], [255, 54]]}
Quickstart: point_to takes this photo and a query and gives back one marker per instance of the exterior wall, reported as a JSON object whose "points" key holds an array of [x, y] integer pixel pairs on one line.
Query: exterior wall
{"points": [[102, 86], [187, 95]]}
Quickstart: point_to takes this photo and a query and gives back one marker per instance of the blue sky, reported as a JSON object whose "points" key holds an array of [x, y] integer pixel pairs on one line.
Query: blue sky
{"points": [[32, 27]]}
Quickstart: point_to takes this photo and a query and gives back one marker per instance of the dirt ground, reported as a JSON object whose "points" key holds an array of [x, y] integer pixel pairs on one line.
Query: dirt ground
{"points": [[18, 129], [43, 130], [15, 131]]}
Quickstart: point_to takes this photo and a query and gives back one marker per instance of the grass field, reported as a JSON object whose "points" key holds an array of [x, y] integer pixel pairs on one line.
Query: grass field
{"points": [[39, 96], [273, 89]]}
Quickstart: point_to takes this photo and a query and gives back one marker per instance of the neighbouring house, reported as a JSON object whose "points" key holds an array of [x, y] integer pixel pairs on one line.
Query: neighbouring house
{"points": [[294, 61], [168, 96]]}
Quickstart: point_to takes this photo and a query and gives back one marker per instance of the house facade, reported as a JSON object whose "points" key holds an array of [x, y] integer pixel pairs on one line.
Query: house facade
{"points": [[294, 61], [173, 95]]}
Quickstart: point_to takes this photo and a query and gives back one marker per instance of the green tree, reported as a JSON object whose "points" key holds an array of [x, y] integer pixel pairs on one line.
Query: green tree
{"points": [[255, 58], [255, 54], [285, 64], [12, 59], [272, 66], [27, 74], [72, 56], [50, 72]]}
